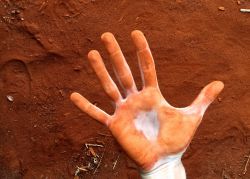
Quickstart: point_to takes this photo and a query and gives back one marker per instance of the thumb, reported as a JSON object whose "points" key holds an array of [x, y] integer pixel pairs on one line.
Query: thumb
{"points": [[207, 96]]}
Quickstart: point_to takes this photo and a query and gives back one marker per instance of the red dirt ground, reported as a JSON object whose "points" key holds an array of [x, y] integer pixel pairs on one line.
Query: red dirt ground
{"points": [[43, 59]]}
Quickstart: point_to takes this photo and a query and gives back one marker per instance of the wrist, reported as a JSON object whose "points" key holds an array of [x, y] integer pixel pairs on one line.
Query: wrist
{"points": [[169, 167], [166, 171]]}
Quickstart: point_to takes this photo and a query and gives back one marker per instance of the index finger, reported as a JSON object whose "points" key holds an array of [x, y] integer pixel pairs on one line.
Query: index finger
{"points": [[93, 111]]}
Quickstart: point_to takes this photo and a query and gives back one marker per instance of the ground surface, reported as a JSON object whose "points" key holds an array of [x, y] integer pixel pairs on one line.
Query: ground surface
{"points": [[43, 59]]}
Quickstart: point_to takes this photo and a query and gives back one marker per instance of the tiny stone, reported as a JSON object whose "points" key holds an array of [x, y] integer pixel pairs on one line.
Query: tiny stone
{"points": [[90, 40], [95, 160], [50, 40], [219, 99], [10, 98], [66, 114], [238, 2], [61, 93], [77, 68], [221, 8], [33, 139]]}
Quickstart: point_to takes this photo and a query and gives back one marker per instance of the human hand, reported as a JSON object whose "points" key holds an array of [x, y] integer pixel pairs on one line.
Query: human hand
{"points": [[148, 128]]}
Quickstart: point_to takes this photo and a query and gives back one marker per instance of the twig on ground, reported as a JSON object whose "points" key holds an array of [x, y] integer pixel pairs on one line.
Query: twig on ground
{"points": [[115, 163], [245, 10], [92, 151], [100, 142], [79, 169], [222, 173], [84, 169], [100, 161], [87, 145], [246, 165], [106, 135], [43, 5], [225, 175], [74, 15]]}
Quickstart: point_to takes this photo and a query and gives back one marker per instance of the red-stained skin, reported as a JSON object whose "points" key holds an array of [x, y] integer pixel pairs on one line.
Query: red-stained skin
{"points": [[177, 125]]}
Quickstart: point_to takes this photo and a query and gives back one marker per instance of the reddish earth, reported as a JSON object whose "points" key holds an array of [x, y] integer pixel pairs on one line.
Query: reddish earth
{"points": [[43, 59]]}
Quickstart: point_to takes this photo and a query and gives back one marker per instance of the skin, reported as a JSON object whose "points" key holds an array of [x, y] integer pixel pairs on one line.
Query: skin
{"points": [[177, 125]]}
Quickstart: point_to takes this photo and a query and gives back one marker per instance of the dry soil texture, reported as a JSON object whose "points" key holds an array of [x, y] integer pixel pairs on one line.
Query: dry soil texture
{"points": [[43, 59]]}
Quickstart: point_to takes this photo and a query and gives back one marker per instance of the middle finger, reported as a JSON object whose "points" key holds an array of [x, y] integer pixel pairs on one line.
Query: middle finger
{"points": [[121, 67]]}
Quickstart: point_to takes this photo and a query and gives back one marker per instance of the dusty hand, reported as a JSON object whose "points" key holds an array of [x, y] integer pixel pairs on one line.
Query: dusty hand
{"points": [[145, 125]]}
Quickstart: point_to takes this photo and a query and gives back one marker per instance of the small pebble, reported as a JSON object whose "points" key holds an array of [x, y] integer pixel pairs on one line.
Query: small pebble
{"points": [[221, 8], [15, 12], [239, 2], [95, 160], [10, 98], [77, 68], [66, 114]]}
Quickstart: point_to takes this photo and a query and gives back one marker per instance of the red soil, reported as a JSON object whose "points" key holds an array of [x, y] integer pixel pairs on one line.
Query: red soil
{"points": [[43, 59]]}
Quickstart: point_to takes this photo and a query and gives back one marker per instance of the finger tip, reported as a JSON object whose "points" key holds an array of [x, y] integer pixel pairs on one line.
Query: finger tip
{"points": [[139, 39], [74, 96], [136, 32], [213, 90], [92, 54], [106, 36], [219, 85]]}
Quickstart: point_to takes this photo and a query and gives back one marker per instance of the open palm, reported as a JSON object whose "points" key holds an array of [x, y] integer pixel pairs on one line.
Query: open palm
{"points": [[144, 123]]}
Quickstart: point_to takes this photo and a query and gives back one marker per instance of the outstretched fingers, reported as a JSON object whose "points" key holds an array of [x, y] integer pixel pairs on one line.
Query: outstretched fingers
{"points": [[108, 84], [121, 67], [93, 111], [145, 58], [207, 95]]}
